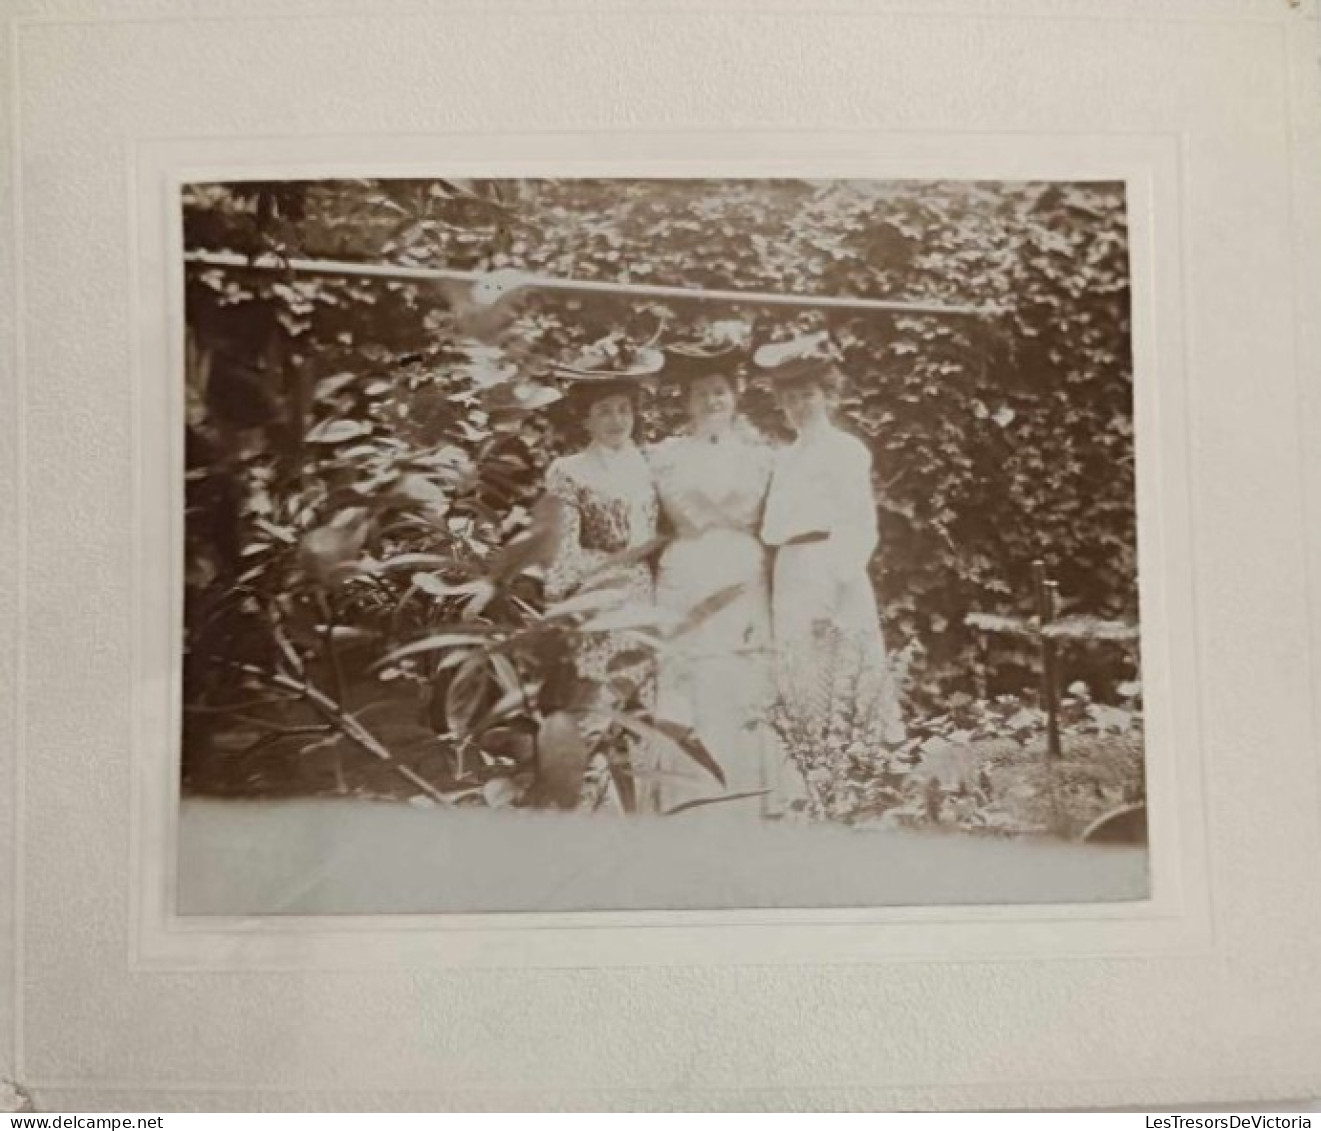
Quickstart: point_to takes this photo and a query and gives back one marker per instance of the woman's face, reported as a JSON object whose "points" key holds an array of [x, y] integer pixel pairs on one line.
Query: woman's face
{"points": [[610, 421], [803, 404], [711, 400]]}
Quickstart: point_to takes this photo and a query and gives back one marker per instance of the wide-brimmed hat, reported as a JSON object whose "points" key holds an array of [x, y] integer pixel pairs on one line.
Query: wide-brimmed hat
{"points": [[608, 368], [691, 361], [809, 357], [512, 398]]}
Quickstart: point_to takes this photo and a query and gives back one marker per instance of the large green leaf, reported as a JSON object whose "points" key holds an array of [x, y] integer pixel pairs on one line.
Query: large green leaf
{"points": [[708, 607], [703, 802], [580, 604], [338, 431], [667, 735], [470, 688], [441, 641]]}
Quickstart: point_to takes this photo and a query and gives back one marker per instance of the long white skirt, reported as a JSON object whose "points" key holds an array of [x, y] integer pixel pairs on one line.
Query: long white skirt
{"points": [[806, 595], [828, 630], [716, 678]]}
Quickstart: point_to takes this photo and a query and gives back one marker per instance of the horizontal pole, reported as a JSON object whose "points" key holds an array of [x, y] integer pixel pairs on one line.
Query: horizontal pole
{"points": [[499, 283]]}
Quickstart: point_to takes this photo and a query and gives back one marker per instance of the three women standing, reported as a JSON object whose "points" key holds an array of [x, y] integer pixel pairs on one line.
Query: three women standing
{"points": [[767, 553]]}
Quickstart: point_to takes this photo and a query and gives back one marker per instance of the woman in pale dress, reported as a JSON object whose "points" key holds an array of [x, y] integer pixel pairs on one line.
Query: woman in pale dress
{"points": [[820, 522], [713, 582]]}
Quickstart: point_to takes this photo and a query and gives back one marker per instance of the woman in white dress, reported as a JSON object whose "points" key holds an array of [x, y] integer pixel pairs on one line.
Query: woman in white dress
{"points": [[713, 581], [820, 521]]}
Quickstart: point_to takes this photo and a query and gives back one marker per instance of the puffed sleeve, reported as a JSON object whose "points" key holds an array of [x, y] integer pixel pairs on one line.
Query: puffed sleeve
{"points": [[853, 534], [571, 563]]}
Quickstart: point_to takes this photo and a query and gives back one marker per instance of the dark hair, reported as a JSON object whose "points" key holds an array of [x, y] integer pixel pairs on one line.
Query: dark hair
{"points": [[580, 396], [569, 416], [731, 377], [733, 380]]}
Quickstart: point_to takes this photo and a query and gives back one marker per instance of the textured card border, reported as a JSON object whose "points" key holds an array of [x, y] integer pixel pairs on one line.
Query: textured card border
{"points": [[1173, 916], [42, 1051]]}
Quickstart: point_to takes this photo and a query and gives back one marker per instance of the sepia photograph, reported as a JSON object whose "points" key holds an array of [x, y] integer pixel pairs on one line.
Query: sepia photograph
{"points": [[660, 557], [658, 544]]}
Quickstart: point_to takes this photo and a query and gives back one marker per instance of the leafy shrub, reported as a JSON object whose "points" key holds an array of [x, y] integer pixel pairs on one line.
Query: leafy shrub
{"points": [[836, 716], [983, 766]]}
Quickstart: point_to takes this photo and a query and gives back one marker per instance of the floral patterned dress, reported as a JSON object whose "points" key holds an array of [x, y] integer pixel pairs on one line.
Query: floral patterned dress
{"points": [[608, 507], [715, 675]]}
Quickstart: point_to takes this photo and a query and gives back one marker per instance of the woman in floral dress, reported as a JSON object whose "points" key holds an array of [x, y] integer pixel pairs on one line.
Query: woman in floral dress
{"points": [[608, 507], [606, 521]]}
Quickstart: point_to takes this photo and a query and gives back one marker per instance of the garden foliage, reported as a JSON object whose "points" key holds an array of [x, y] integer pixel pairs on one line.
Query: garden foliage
{"points": [[364, 471]]}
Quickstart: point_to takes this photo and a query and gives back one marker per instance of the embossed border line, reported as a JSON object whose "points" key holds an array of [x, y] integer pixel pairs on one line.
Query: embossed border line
{"points": [[1148, 163]]}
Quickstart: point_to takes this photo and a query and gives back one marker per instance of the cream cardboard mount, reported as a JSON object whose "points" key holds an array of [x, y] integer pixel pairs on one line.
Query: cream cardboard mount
{"points": [[1207, 993]]}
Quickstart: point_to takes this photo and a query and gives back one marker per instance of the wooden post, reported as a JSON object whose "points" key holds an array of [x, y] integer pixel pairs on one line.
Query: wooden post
{"points": [[1054, 744], [1047, 593]]}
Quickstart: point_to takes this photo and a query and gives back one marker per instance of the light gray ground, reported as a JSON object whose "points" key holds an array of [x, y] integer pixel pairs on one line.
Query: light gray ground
{"points": [[351, 856]]}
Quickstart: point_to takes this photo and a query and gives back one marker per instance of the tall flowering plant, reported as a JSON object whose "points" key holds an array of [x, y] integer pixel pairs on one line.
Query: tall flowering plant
{"points": [[835, 711]]}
